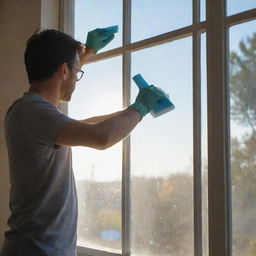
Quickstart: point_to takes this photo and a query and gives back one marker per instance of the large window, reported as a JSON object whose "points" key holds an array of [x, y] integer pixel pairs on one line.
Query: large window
{"points": [[183, 183]]}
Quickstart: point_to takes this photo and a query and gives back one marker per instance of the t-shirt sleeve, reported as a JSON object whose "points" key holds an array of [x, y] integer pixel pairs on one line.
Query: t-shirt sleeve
{"points": [[42, 121]]}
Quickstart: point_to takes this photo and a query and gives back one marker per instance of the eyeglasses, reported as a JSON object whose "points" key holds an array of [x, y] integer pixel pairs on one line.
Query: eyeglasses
{"points": [[79, 74]]}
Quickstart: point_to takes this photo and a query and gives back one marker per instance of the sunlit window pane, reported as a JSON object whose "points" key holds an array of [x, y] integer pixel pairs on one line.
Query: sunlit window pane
{"points": [[243, 136], [151, 18], [98, 173], [203, 10], [162, 156], [236, 6], [92, 14]]}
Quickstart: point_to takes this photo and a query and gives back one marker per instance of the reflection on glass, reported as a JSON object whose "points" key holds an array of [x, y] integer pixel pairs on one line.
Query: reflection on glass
{"points": [[92, 14], [151, 18], [205, 241], [243, 136], [162, 156], [98, 173], [236, 6]]}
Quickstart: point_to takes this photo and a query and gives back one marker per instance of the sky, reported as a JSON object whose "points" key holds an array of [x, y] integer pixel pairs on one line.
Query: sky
{"points": [[160, 146]]}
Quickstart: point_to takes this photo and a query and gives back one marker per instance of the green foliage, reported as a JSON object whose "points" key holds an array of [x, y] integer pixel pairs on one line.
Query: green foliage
{"points": [[243, 83]]}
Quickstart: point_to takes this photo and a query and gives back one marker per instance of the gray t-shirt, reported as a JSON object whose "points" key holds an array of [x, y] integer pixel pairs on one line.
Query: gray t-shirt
{"points": [[43, 199]]}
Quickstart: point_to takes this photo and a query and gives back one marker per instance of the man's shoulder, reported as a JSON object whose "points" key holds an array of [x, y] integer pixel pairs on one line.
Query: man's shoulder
{"points": [[15, 106], [27, 103], [35, 119]]}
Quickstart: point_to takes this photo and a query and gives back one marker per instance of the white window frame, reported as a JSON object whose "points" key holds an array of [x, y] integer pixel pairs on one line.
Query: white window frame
{"points": [[219, 194]]}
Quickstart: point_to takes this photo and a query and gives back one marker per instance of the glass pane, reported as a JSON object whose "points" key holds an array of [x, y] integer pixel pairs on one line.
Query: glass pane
{"points": [[92, 14], [203, 10], [243, 136], [204, 147], [98, 173], [162, 156], [236, 6], [151, 18]]}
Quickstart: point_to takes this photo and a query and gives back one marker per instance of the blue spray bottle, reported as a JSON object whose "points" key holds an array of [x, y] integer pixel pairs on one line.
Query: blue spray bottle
{"points": [[162, 106]]}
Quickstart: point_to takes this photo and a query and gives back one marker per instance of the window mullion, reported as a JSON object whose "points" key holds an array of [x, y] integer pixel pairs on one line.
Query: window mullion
{"points": [[67, 16], [66, 25], [126, 177], [197, 132], [218, 131]]}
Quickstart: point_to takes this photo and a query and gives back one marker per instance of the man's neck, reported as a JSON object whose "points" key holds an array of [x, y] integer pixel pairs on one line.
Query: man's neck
{"points": [[46, 89]]}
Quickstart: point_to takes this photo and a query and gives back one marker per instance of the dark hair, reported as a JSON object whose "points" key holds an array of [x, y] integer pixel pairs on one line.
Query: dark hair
{"points": [[46, 50]]}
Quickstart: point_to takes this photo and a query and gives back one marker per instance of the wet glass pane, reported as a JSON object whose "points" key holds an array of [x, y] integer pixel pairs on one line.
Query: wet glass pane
{"points": [[151, 18], [162, 156], [92, 14], [236, 6], [243, 136], [98, 173]]}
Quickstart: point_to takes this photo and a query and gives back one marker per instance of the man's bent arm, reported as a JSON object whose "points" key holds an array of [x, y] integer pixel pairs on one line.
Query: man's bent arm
{"points": [[101, 135]]}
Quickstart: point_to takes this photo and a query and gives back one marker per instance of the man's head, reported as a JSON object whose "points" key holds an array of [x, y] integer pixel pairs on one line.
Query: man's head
{"points": [[49, 50]]}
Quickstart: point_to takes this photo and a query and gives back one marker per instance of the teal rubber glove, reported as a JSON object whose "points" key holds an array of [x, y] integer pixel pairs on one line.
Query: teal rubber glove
{"points": [[100, 37], [146, 99], [163, 105]]}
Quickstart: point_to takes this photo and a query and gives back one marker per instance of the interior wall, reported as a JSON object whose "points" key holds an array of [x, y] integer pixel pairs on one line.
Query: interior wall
{"points": [[18, 21]]}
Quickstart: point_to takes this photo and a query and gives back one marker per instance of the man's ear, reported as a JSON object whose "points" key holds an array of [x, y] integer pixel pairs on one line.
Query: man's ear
{"points": [[63, 71]]}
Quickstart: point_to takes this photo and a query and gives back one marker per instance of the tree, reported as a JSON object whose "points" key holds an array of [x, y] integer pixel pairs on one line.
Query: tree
{"points": [[243, 83], [243, 161]]}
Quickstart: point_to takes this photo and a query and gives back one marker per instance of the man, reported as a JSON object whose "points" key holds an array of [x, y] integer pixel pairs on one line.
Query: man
{"points": [[43, 200]]}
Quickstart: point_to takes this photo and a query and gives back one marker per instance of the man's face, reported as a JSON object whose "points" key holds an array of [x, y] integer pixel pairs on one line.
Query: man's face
{"points": [[69, 85]]}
